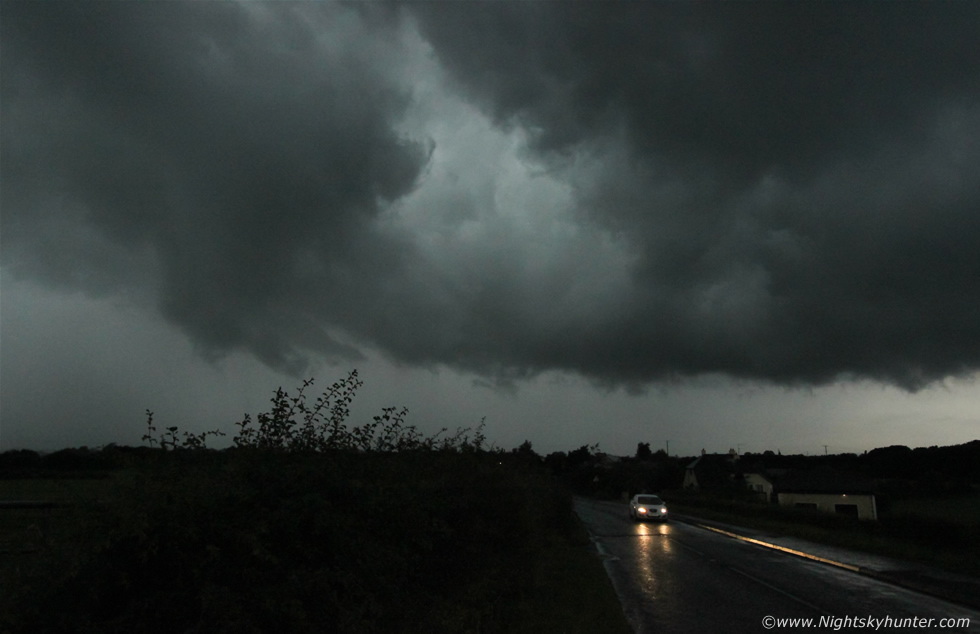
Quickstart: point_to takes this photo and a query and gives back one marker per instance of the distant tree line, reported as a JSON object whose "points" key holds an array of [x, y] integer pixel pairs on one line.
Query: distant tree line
{"points": [[587, 470], [898, 470], [295, 425]]}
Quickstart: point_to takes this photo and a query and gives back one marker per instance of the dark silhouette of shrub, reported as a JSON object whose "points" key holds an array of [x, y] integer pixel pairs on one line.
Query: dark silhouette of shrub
{"points": [[305, 525], [293, 425], [306, 542]]}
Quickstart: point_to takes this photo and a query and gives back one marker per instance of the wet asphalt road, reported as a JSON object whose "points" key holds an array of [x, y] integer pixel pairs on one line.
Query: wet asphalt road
{"points": [[679, 578]]}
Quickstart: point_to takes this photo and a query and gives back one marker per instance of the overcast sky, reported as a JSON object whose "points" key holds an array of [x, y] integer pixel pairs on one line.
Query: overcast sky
{"points": [[750, 225]]}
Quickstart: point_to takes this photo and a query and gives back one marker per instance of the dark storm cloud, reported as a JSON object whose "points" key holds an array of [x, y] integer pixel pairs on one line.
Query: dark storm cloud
{"points": [[794, 188], [801, 180], [739, 89], [240, 155]]}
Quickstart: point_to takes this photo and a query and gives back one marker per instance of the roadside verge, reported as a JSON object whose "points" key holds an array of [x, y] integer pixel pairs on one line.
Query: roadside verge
{"points": [[955, 588]]}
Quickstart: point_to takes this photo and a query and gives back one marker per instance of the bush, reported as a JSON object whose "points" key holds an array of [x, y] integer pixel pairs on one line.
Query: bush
{"points": [[266, 542], [19, 463], [293, 425], [304, 525]]}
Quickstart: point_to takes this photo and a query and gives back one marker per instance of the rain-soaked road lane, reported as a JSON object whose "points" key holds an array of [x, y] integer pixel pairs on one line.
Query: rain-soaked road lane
{"points": [[679, 578]]}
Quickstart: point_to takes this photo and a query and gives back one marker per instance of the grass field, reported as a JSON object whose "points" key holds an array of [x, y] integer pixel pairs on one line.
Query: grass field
{"points": [[58, 490], [26, 530], [960, 509], [424, 542]]}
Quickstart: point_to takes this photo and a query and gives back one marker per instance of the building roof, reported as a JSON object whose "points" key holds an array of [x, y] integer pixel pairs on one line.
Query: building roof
{"points": [[824, 480], [712, 470], [760, 475]]}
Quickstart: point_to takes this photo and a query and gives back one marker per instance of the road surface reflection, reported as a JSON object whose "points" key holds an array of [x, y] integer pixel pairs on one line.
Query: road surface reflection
{"points": [[652, 544]]}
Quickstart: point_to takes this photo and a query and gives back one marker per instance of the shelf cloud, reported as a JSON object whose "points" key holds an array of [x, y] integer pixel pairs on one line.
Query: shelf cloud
{"points": [[634, 193]]}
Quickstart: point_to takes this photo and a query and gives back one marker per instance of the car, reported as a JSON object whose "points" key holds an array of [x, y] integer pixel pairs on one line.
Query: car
{"points": [[647, 507]]}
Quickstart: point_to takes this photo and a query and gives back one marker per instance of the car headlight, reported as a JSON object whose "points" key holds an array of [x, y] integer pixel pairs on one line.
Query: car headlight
{"points": [[642, 510]]}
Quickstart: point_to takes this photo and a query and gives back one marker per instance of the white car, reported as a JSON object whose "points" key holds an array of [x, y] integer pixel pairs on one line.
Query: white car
{"points": [[647, 507]]}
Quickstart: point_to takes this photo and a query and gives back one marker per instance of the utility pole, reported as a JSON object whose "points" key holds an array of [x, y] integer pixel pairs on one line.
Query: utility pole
{"points": [[825, 450], [668, 448]]}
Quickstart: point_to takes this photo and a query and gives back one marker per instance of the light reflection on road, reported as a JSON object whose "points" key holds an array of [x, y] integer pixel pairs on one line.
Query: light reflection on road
{"points": [[677, 578], [652, 543]]}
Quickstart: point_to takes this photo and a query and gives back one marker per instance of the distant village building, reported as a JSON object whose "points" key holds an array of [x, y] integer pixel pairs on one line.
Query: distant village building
{"points": [[759, 484], [828, 491], [710, 471], [823, 489]]}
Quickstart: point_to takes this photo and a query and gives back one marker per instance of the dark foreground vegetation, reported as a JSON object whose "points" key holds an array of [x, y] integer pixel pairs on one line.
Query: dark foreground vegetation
{"points": [[258, 542], [305, 525]]}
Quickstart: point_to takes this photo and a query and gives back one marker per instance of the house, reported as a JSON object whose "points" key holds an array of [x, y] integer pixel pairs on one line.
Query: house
{"points": [[828, 491], [760, 484], [711, 471]]}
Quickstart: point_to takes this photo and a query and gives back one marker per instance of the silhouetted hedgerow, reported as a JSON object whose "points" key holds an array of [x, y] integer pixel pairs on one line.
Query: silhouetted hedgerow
{"points": [[293, 425], [305, 524], [340, 541]]}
